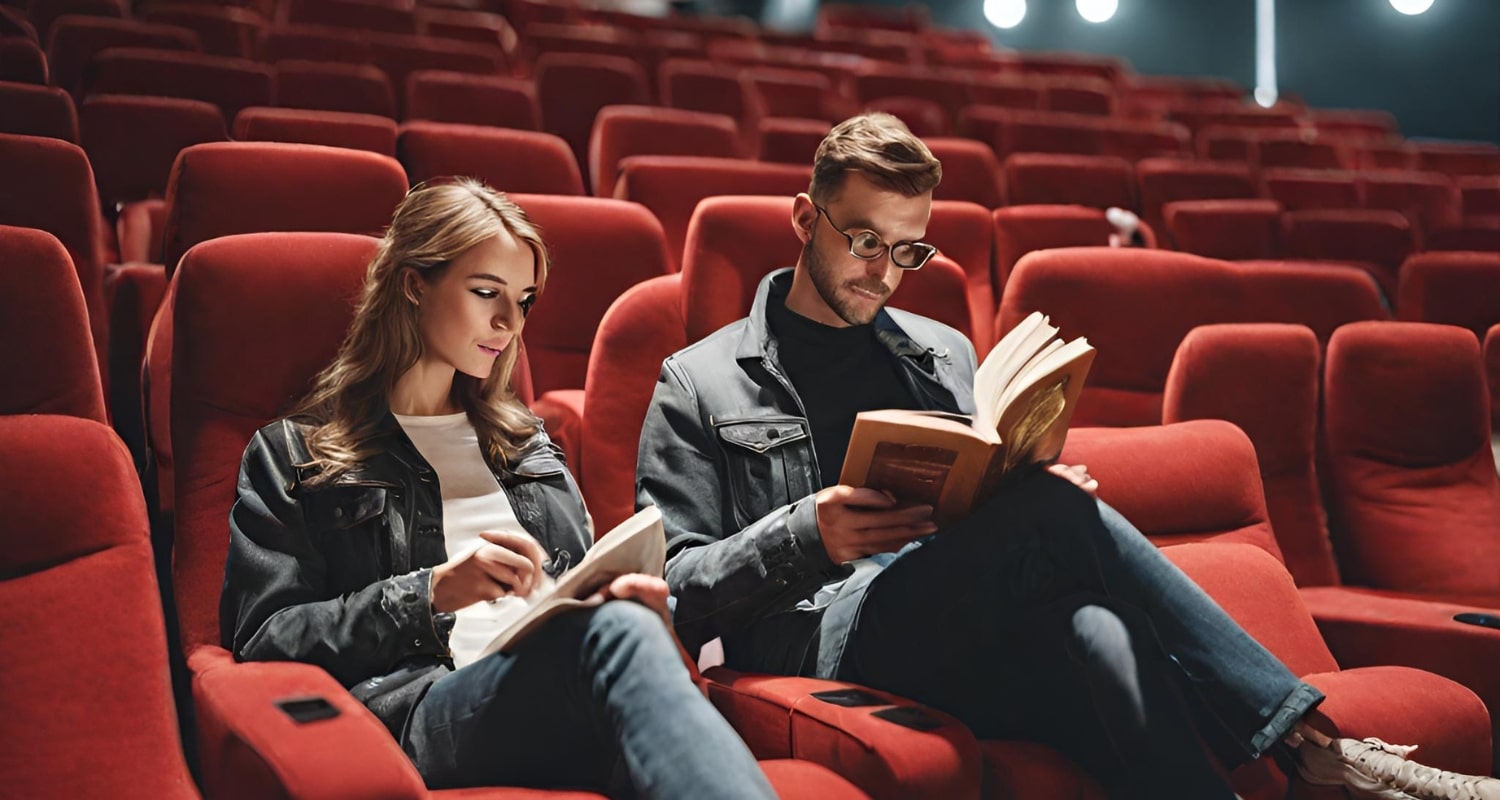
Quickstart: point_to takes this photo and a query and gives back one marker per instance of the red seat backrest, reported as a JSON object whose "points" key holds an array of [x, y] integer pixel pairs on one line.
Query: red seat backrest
{"points": [[328, 128], [600, 248], [1378, 240], [399, 56], [970, 171], [637, 333], [1228, 229], [224, 30], [44, 14], [355, 88], [509, 160], [21, 61], [1164, 180], [622, 131], [1428, 199], [1296, 189], [314, 43], [1481, 195], [32, 110], [1452, 288], [1281, 150], [229, 83], [94, 717], [48, 356], [704, 86], [1022, 229], [495, 100], [132, 140], [383, 17], [1263, 377], [877, 80], [226, 188], [1412, 480], [795, 93], [1061, 179], [788, 140], [923, 117], [572, 87], [75, 41]]}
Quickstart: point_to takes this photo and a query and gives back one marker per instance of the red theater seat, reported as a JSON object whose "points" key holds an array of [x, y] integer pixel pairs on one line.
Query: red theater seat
{"points": [[229, 83], [45, 13], [795, 93], [470, 26], [1297, 189], [1412, 479], [671, 186], [32, 110], [468, 99], [1236, 230], [622, 131], [1459, 158], [1007, 91], [711, 88], [1428, 199], [1476, 233], [384, 16], [400, 56], [314, 43], [1057, 179], [572, 87], [791, 140], [948, 91], [223, 30], [1167, 180], [21, 61], [1280, 150], [1376, 241], [327, 86], [76, 40], [1022, 229], [132, 140], [1481, 195], [925, 118], [329, 128], [970, 171], [88, 702], [1452, 288], [46, 348], [509, 160]]}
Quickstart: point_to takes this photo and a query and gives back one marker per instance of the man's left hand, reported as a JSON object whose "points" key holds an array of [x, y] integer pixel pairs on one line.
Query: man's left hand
{"points": [[1079, 476], [644, 589]]}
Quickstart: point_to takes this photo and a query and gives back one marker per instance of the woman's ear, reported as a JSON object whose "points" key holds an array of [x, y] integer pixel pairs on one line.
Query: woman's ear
{"points": [[804, 217], [412, 285]]}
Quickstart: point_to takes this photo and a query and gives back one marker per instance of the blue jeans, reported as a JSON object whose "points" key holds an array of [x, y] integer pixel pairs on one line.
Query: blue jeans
{"points": [[597, 700], [1047, 616]]}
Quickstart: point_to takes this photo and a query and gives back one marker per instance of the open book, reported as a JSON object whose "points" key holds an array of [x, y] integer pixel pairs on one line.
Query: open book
{"points": [[638, 544], [1024, 396]]}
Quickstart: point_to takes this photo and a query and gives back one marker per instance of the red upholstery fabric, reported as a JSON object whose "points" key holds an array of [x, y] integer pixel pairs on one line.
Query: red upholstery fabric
{"points": [[695, 85], [1296, 189], [21, 61], [963, 234], [229, 83], [1228, 229], [1263, 377], [1024, 769], [572, 87], [671, 186], [621, 131], [1050, 179], [1412, 477], [353, 88], [734, 241], [88, 705], [791, 140], [473, 26], [509, 160], [1452, 288], [62, 201], [1428, 199], [1281, 150], [1136, 306], [386, 17], [1481, 194], [47, 356], [75, 41], [14, 24], [1492, 373], [925, 118], [792, 778], [1387, 156], [890, 80], [223, 30], [1007, 91], [493, 100], [1022, 229], [1378, 241], [1477, 158], [132, 141], [329, 128], [1078, 95], [640, 329], [314, 43], [399, 56], [243, 187], [1477, 233], [883, 759], [38, 111], [139, 230], [1179, 483], [600, 248], [795, 93], [970, 171], [1166, 180], [1014, 131]]}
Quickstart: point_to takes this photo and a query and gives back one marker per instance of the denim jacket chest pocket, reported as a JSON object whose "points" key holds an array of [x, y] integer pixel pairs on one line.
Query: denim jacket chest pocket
{"points": [[768, 463], [348, 527]]}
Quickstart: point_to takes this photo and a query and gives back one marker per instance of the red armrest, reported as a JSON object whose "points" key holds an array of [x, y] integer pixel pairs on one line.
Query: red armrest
{"points": [[250, 748], [561, 411], [778, 717]]}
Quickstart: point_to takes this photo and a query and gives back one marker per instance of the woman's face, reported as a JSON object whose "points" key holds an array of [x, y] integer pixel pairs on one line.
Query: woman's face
{"points": [[469, 314]]}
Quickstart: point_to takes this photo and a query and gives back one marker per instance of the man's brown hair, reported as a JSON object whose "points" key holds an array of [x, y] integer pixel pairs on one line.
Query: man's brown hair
{"points": [[882, 148]]}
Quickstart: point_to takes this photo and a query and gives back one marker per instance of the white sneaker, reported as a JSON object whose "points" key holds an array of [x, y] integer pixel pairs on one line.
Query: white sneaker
{"points": [[1376, 769]]}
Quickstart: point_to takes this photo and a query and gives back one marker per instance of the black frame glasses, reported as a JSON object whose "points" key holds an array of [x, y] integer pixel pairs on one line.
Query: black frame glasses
{"points": [[905, 255]]}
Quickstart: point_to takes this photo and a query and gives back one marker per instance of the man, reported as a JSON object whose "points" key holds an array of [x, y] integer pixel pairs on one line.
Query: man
{"points": [[1044, 616]]}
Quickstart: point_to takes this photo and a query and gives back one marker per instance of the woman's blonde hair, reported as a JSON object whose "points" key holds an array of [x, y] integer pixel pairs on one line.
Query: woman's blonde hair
{"points": [[432, 227]]}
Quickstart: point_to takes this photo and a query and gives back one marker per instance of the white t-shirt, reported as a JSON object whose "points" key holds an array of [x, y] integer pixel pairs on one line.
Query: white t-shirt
{"points": [[473, 501]]}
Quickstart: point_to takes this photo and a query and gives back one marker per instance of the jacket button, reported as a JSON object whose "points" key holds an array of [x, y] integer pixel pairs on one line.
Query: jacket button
{"points": [[416, 642], [338, 512]]}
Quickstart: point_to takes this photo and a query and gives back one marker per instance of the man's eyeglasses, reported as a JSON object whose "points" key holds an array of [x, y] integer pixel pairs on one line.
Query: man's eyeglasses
{"points": [[867, 245]]}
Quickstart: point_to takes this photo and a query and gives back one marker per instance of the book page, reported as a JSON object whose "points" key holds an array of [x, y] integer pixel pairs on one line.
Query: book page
{"points": [[638, 544], [1000, 366]]}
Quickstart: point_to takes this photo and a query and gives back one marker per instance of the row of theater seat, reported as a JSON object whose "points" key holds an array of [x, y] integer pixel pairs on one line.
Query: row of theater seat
{"points": [[226, 289]]}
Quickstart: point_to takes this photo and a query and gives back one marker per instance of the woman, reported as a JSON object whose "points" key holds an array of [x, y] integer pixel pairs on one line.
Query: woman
{"points": [[388, 528]]}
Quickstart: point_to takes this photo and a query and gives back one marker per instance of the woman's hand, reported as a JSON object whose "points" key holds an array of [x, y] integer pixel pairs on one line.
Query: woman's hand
{"points": [[1079, 476], [644, 589], [509, 562]]}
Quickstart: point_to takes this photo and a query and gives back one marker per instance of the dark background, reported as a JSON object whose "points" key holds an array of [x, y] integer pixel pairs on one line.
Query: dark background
{"points": [[1438, 72]]}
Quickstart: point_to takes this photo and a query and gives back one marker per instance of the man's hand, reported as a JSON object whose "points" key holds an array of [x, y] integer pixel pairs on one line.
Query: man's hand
{"points": [[854, 523], [509, 562], [1079, 476], [644, 589]]}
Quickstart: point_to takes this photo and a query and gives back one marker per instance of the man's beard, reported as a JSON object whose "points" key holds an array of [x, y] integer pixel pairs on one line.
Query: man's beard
{"points": [[828, 288]]}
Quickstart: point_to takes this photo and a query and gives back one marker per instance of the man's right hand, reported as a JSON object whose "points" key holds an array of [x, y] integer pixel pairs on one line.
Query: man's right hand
{"points": [[509, 562], [854, 523]]}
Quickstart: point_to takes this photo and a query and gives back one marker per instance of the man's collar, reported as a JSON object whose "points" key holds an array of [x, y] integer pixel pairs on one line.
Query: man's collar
{"points": [[756, 340]]}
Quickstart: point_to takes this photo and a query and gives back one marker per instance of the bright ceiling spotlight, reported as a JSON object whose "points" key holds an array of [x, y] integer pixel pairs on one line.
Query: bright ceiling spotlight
{"points": [[1411, 7], [1005, 13], [1097, 10]]}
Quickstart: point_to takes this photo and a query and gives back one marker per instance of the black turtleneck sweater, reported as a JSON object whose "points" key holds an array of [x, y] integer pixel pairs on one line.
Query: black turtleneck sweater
{"points": [[838, 372]]}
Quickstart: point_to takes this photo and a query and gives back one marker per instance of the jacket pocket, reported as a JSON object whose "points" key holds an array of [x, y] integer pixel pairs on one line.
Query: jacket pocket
{"points": [[347, 527], [765, 458]]}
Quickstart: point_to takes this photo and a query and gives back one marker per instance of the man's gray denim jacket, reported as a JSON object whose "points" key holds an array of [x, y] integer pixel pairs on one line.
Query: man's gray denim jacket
{"points": [[727, 455]]}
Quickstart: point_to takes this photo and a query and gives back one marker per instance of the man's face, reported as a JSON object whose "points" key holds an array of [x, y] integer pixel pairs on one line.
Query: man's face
{"points": [[831, 285]]}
